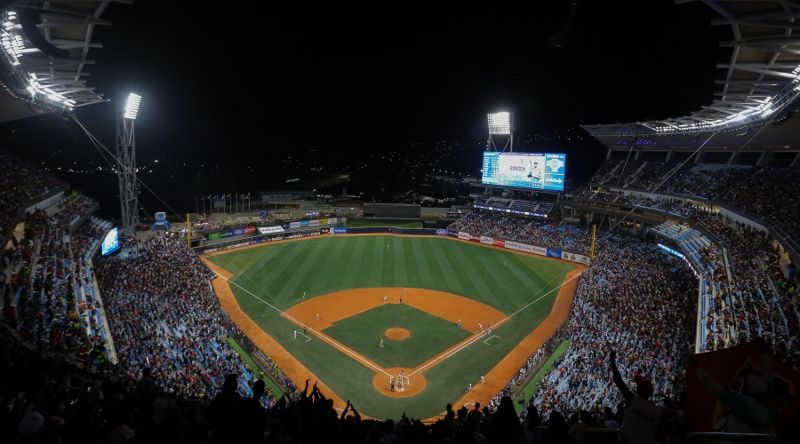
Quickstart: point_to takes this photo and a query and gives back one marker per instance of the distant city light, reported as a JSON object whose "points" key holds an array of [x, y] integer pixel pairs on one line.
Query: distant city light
{"points": [[132, 106]]}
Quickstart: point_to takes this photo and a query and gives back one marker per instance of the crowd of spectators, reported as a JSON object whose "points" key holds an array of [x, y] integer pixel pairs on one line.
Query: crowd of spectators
{"points": [[525, 372], [542, 234], [749, 304], [638, 300], [275, 372], [165, 317], [767, 192], [763, 191], [49, 400], [40, 291], [71, 211], [673, 207], [20, 183], [751, 294]]}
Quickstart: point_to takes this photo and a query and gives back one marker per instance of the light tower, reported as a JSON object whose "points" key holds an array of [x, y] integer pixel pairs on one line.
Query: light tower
{"points": [[126, 161], [500, 125]]}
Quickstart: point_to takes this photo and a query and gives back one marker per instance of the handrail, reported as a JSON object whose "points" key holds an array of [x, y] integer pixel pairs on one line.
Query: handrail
{"points": [[735, 437]]}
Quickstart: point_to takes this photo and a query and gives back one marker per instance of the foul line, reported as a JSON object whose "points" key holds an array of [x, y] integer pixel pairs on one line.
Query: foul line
{"points": [[319, 334], [477, 337]]}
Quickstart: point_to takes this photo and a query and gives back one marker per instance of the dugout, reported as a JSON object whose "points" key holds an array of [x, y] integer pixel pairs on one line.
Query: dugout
{"points": [[392, 211]]}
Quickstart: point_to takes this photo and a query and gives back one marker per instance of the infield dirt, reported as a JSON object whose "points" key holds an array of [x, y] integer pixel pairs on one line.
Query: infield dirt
{"points": [[470, 314]]}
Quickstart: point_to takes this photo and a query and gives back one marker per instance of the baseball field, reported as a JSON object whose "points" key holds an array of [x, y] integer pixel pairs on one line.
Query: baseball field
{"points": [[395, 323]]}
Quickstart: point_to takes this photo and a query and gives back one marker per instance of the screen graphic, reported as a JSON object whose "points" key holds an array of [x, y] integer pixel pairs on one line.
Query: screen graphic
{"points": [[533, 171], [110, 243]]}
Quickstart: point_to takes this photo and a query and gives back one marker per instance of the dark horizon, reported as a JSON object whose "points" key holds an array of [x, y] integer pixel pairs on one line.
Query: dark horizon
{"points": [[240, 91]]}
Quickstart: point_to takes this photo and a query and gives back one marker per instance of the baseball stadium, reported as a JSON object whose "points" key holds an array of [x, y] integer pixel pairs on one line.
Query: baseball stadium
{"points": [[550, 280]]}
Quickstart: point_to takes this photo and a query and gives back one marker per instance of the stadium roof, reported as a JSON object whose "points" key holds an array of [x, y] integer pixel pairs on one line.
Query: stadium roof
{"points": [[761, 81], [45, 55]]}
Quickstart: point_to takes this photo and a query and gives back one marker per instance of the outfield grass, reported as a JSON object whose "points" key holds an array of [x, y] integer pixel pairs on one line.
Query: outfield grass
{"points": [[527, 392], [358, 223], [278, 274], [429, 335]]}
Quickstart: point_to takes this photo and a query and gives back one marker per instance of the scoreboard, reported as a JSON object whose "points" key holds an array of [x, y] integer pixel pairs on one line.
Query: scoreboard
{"points": [[530, 171]]}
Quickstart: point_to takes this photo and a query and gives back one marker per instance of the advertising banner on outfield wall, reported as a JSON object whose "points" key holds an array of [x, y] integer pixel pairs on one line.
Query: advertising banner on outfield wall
{"points": [[213, 236], [463, 235], [441, 232], [237, 231], [487, 240], [574, 257], [339, 230], [554, 252], [511, 245], [499, 243], [249, 230], [271, 230]]}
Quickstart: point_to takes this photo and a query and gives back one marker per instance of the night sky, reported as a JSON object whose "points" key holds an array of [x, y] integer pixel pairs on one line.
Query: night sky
{"points": [[244, 87]]}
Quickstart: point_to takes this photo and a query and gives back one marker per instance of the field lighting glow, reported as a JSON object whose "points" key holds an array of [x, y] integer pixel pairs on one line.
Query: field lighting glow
{"points": [[132, 106], [500, 123]]}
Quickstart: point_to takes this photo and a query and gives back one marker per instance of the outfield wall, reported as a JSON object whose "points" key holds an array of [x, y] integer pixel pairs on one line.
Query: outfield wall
{"points": [[518, 246], [463, 235]]}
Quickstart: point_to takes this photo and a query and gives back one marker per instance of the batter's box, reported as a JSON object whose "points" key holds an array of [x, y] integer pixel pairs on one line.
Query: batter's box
{"points": [[489, 339]]}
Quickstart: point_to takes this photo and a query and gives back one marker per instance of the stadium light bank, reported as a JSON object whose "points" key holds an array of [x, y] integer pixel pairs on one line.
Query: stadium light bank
{"points": [[132, 106]]}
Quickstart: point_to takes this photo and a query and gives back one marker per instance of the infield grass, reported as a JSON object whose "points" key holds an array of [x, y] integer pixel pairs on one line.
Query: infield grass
{"points": [[364, 331], [274, 277]]}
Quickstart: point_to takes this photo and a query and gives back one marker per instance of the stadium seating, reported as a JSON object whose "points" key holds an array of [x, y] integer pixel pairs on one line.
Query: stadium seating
{"points": [[165, 317], [528, 231], [21, 184], [640, 301], [70, 315], [747, 289], [763, 191]]}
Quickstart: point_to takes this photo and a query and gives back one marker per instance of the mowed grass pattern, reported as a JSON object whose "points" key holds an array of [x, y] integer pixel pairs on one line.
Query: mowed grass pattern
{"points": [[281, 273], [364, 331], [278, 274]]}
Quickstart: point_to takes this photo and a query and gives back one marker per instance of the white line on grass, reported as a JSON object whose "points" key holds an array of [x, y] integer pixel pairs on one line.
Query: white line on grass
{"points": [[296, 321], [492, 327]]}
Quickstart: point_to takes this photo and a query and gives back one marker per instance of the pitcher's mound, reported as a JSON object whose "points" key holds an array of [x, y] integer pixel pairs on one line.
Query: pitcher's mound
{"points": [[397, 334], [411, 386]]}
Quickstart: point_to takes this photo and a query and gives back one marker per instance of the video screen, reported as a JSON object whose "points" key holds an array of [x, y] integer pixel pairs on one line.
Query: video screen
{"points": [[110, 243], [532, 171]]}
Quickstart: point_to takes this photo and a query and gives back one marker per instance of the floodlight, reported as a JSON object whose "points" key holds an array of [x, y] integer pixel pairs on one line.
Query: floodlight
{"points": [[500, 123], [132, 106]]}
